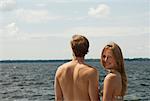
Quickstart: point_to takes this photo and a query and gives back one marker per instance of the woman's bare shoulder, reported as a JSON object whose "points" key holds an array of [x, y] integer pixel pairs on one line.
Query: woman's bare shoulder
{"points": [[110, 78]]}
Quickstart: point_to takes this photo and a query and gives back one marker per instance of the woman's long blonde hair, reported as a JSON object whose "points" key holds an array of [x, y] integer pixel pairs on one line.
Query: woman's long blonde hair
{"points": [[120, 63]]}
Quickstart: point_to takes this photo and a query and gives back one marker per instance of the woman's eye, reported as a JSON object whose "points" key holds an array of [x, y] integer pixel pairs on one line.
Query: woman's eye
{"points": [[104, 56]]}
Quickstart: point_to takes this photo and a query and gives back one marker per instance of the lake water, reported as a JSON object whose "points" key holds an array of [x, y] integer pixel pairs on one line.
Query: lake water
{"points": [[34, 81]]}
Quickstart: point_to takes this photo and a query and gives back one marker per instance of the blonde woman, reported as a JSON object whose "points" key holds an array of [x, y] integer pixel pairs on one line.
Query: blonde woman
{"points": [[115, 82]]}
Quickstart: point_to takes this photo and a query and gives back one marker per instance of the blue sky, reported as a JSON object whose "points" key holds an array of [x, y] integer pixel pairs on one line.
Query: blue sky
{"points": [[42, 29]]}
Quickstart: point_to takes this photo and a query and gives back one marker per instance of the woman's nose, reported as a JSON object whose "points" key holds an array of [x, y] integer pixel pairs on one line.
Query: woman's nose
{"points": [[105, 59]]}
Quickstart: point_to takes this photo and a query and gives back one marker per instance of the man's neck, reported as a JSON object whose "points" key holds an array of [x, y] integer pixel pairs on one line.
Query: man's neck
{"points": [[78, 59]]}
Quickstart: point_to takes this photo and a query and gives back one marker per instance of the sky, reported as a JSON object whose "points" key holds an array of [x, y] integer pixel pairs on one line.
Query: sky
{"points": [[42, 29]]}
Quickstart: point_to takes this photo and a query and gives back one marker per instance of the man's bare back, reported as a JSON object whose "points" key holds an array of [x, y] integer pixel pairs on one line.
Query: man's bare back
{"points": [[76, 81]]}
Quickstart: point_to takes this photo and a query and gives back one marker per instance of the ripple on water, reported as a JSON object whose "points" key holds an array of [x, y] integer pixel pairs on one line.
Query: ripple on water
{"points": [[35, 81]]}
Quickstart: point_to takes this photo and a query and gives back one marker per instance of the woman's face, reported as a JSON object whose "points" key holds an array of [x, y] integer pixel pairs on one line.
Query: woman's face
{"points": [[108, 59]]}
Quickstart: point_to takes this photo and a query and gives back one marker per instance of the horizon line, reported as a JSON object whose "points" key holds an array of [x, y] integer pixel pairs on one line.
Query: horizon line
{"points": [[63, 59]]}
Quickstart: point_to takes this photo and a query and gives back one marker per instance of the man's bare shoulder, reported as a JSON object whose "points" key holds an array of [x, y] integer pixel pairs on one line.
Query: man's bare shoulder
{"points": [[61, 68], [91, 70], [64, 65]]}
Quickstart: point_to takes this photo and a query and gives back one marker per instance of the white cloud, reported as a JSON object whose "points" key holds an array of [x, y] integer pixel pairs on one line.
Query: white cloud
{"points": [[12, 32], [41, 5], [9, 30], [102, 10], [12, 29], [7, 5], [70, 1], [108, 31], [35, 16]]}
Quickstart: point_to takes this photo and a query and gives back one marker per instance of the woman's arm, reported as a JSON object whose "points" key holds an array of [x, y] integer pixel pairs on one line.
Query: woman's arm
{"points": [[109, 87]]}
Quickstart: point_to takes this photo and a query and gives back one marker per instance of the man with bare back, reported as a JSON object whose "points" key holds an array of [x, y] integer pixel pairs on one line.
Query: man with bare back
{"points": [[75, 80]]}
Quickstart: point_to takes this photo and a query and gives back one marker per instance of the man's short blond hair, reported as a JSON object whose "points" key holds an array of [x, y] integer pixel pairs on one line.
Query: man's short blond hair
{"points": [[79, 45]]}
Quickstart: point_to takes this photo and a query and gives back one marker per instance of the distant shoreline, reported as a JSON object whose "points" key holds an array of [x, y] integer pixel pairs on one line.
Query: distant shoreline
{"points": [[66, 60]]}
